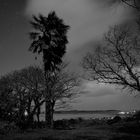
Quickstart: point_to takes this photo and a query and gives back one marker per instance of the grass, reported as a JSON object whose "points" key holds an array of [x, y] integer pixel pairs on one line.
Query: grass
{"points": [[81, 130]]}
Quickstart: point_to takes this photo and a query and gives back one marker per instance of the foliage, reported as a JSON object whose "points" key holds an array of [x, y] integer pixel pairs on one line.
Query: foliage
{"points": [[50, 39], [7, 100], [136, 116], [24, 91], [26, 86]]}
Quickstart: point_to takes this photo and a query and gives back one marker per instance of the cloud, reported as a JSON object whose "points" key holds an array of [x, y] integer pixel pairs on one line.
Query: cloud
{"points": [[116, 101], [88, 20], [103, 96], [92, 89]]}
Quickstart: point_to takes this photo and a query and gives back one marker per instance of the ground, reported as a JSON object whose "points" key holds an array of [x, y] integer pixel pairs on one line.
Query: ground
{"points": [[83, 130]]}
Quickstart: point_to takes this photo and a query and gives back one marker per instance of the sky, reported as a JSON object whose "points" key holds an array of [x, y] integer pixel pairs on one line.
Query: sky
{"points": [[88, 19]]}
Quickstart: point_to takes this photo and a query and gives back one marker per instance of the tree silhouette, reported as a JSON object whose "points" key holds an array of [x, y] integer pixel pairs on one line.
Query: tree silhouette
{"points": [[132, 3], [117, 60], [49, 38], [22, 91], [64, 87]]}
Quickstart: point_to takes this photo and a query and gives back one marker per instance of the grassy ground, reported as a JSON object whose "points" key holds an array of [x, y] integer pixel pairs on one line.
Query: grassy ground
{"points": [[81, 130]]}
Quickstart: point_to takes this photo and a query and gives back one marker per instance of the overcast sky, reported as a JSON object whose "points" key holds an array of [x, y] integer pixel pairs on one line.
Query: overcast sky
{"points": [[88, 19]]}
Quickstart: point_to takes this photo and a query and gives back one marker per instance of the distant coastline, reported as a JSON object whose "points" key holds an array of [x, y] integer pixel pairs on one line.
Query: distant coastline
{"points": [[88, 111], [87, 114]]}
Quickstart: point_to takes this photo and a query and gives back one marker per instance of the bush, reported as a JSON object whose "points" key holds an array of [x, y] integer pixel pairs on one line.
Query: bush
{"points": [[61, 124], [128, 119], [6, 127], [80, 119], [114, 120], [65, 124], [73, 121], [130, 127], [136, 116], [125, 137]]}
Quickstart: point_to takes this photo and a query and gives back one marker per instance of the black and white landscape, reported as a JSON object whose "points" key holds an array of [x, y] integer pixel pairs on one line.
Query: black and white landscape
{"points": [[69, 69]]}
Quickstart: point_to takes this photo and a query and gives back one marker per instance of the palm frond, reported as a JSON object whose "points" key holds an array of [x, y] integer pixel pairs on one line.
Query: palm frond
{"points": [[52, 40], [36, 19], [35, 46], [34, 35], [36, 26]]}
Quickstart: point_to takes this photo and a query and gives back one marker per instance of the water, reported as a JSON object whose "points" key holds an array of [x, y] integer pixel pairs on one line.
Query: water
{"points": [[82, 115], [61, 116]]}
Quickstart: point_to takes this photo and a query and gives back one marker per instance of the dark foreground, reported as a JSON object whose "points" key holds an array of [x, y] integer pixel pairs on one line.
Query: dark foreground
{"points": [[79, 130]]}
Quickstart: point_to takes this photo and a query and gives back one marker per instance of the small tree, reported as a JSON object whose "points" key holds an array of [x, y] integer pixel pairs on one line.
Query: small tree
{"points": [[116, 62]]}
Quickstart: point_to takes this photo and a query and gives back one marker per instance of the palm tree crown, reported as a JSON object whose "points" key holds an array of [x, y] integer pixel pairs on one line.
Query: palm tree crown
{"points": [[50, 39]]}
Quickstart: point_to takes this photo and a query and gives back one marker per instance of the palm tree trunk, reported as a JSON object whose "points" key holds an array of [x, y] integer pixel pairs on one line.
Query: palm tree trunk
{"points": [[48, 105], [52, 113], [48, 116]]}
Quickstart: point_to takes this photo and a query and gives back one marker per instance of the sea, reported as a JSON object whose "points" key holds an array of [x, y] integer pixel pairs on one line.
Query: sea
{"points": [[83, 115], [60, 116]]}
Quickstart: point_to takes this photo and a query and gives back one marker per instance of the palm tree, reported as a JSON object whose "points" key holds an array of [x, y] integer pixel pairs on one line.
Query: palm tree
{"points": [[50, 39]]}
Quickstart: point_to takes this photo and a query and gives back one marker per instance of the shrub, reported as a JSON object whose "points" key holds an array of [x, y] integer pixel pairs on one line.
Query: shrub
{"points": [[136, 116], [114, 120]]}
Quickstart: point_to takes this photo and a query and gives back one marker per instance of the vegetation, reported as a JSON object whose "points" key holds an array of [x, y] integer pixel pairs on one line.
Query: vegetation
{"points": [[49, 38], [26, 86], [117, 60], [23, 92], [81, 129]]}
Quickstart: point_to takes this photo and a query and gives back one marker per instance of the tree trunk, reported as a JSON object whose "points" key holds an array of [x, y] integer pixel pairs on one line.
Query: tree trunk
{"points": [[52, 113], [38, 113], [48, 114], [48, 105], [29, 120]]}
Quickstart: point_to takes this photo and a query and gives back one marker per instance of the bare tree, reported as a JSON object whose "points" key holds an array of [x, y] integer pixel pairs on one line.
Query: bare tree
{"points": [[132, 3], [117, 60], [23, 87], [32, 80], [24, 91], [63, 86]]}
